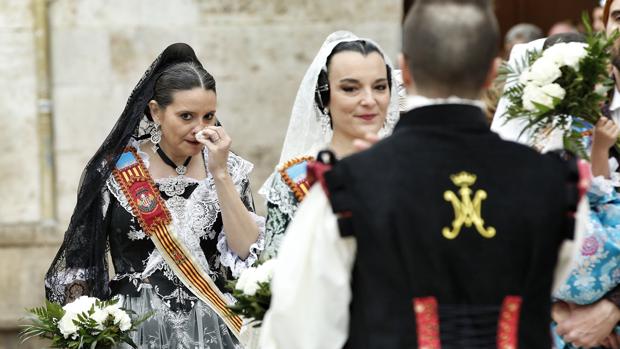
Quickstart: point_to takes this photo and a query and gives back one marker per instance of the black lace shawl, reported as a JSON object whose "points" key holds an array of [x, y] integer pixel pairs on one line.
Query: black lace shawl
{"points": [[80, 266]]}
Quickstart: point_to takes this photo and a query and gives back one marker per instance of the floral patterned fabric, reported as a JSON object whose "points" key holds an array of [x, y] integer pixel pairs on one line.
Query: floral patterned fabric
{"points": [[596, 271]]}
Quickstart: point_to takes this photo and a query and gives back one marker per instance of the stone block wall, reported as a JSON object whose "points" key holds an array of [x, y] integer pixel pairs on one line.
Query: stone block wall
{"points": [[257, 51]]}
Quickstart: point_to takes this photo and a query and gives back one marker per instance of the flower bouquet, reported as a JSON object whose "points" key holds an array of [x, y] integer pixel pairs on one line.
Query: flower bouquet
{"points": [[561, 88], [87, 322], [253, 293]]}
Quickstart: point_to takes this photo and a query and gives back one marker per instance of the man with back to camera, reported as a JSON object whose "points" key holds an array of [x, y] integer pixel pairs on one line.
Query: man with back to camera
{"points": [[440, 236]]}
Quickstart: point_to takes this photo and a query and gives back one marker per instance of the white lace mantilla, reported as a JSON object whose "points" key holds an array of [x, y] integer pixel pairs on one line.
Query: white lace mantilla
{"points": [[277, 192], [193, 218]]}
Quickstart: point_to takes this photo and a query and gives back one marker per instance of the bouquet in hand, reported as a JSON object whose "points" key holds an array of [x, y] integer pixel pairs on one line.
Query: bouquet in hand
{"points": [[86, 322], [253, 293], [561, 88]]}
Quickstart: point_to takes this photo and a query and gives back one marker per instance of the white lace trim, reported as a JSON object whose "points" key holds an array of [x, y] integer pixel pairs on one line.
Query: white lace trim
{"points": [[278, 193], [58, 283], [192, 218], [230, 259], [602, 186]]}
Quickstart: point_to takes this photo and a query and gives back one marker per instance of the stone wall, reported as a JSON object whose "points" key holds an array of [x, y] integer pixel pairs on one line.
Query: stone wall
{"points": [[258, 52]]}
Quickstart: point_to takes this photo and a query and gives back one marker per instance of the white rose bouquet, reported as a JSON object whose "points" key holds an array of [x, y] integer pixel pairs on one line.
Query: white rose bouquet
{"points": [[86, 322], [563, 87], [253, 293]]}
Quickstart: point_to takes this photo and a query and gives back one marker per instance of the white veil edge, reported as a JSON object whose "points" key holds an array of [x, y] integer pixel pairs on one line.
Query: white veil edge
{"points": [[305, 134]]}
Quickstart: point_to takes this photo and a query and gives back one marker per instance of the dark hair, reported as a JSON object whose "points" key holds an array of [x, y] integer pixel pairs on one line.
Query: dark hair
{"points": [[450, 45], [563, 38], [321, 96], [180, 77]]}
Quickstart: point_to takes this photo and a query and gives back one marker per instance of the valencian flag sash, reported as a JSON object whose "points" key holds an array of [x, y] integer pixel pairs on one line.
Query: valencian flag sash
{"points": [[155, 220]]}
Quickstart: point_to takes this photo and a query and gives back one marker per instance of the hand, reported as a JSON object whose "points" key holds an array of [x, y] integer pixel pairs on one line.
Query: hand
{"points": [[218, 144], [589, 325], [605, 134], [368, 141], [560, 311], [612, 341]]}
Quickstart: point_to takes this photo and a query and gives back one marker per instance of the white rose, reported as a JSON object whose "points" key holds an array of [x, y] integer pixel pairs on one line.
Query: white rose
{"points": [[121, 319], [66, 325], [575, 53], [251, 285], [243, 278], [533, 93], [555, 91], [267, 269], [567, 54], [100, 316], [544, 71], [80, 305], [262, 275]]}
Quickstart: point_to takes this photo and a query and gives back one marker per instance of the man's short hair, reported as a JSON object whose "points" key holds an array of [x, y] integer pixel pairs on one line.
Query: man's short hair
{"points": [[523, 33], [606, 10], [450, 45]]}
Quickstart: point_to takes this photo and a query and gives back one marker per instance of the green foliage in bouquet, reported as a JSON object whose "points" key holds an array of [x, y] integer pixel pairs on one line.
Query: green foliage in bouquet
{"points": [[575, 103], [251, 307], [89, 332], [253, 293]]}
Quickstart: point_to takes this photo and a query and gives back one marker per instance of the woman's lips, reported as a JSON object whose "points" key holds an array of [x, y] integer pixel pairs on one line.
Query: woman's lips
{"points": [[366, 117]]}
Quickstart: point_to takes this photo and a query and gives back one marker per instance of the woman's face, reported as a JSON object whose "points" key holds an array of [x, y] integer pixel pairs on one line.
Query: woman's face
{"points": [[359, 94], [190, 111]]}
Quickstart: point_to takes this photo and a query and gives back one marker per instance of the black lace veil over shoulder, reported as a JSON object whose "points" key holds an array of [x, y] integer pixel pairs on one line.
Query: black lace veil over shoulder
{"points": [[80, 266]]}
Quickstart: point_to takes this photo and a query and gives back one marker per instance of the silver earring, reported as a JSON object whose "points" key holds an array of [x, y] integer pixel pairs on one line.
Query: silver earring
{"points": [[156, 134]]}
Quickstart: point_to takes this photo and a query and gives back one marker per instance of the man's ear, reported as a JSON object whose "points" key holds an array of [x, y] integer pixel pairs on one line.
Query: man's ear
{"points": [[404, 69], [155, 111], [492, 74]]}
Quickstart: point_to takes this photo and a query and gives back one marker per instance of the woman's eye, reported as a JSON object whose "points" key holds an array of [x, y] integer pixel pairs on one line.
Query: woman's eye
{"points": [[349, 89], [186, 116], [381, 87], [209, 116]]}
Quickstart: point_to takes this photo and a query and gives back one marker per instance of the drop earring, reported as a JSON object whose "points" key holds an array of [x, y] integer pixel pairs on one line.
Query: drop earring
{"points": [[156, 134]]}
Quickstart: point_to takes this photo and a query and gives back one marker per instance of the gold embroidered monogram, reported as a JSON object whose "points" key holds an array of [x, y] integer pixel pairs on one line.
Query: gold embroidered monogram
{"points": [[466, 210]]}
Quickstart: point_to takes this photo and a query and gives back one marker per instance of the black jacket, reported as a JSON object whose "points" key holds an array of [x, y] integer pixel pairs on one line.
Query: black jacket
{"points": [[399, 199]]}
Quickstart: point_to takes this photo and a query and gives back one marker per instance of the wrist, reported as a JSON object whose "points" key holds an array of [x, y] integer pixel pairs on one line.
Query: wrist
{"points": [[220, 175]]}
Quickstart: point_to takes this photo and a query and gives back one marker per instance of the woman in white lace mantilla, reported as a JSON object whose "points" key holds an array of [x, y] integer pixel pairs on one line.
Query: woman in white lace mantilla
{"points": [[170, 121], [349, 91]]}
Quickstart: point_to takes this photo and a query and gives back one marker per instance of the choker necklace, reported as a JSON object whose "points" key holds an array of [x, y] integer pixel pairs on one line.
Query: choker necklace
{"points": [[181, 169]]}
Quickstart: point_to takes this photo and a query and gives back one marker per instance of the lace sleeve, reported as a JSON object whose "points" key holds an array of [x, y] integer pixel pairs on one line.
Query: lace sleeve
{"points": [[228, 257]]}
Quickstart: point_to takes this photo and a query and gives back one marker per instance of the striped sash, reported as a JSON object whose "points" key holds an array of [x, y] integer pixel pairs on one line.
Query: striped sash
{"points": [[154, 218]]}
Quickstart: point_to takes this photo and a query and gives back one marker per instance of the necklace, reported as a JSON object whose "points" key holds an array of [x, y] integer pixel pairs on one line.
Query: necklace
{"points": [[180, 169]]}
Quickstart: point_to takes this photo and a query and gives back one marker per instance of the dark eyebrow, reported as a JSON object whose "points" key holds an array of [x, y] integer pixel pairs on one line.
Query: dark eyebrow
{"points": [[381, 80], [350, 80]]}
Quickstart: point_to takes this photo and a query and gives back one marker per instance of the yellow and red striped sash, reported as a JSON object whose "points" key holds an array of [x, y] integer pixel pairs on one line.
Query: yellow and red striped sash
{"points": [[154, 218]]}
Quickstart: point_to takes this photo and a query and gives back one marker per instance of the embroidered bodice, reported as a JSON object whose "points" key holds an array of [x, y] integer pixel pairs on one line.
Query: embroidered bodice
{"points": [[196, 216]]}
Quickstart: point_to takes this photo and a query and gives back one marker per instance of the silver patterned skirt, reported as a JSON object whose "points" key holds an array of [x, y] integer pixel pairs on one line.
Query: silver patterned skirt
{"points": [[201, 328]]}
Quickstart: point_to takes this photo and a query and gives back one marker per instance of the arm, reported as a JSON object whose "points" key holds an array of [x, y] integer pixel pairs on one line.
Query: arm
{"points": [[605, 136], [241, 228], [311, 286]]}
